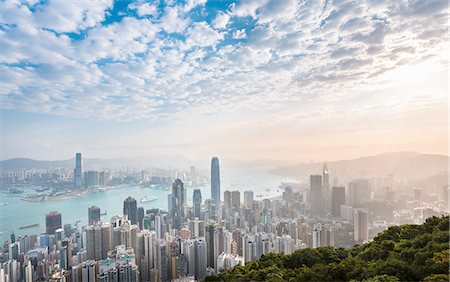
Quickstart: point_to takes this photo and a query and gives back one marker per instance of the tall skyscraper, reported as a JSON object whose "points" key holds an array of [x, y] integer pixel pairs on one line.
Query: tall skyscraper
{"points": [[361, 225], [337, 200], [316, 195], [326, 193], [52, 222], [93, 214], [177, 211], [227, 204], [248, 199], [77, 171], [197, 199], [130, 209], [236, 200], [215, 181]]}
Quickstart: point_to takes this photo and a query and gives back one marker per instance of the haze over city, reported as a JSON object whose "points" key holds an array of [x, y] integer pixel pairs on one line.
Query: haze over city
{"points": [[224, 140], [281, 80]]}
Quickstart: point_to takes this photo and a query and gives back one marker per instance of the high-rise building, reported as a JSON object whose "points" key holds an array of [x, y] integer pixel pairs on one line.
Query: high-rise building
{"points": [[248, 199], [316, 195], [209, 238], [197, 200], [361, 225], [215, 181], [359, 192], [52, 222], [178, 201], [93, 214], [130, 209], [337, 200], [326, 193], [227, 204], [200, 246], [77, 172], [236, 200]]}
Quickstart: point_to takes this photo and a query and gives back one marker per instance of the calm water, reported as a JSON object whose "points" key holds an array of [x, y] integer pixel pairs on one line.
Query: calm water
{"points": [[20, 213]]}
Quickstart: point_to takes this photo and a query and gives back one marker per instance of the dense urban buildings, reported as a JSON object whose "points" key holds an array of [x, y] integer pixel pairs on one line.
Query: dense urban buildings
{"points": [[194, 239]]}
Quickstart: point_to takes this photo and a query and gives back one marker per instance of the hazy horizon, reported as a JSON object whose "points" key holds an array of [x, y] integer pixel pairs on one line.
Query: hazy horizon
{"points": [[247, 80], [276, 161]]}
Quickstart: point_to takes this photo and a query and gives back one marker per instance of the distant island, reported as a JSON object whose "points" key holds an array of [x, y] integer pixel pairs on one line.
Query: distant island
{"points": [[401, 253]]}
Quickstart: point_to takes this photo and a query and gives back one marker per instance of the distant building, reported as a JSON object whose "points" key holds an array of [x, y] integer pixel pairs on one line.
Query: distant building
{"points": [[361, 225], [248, 199], [197, 201], [347, 213], [236, 200], [316, 195], [360, 192], [215, 181], [93, 214], [326, 193], [77, 172], [53, 221], [178, 202], [337, 200], [130, 209]]}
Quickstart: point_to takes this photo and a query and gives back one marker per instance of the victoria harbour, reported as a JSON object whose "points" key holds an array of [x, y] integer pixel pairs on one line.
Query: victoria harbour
{"points": [[110, 200]]}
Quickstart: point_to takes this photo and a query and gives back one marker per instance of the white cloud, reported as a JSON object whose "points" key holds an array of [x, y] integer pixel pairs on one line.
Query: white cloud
{"points": [[174, 20], [201, 34], [221, 20], [239, 34], [63, 16], [134, 70], [144, 9]]}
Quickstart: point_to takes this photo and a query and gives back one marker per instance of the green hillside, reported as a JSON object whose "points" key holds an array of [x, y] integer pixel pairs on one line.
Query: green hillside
{"points": [[401, 253]]}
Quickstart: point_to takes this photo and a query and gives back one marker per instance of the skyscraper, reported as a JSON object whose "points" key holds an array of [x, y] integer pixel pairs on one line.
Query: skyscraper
{"points": [[326, 193], [77, 171], [197, 199], [361, 225], [52, 222], [130, 209], [337, 200], [215, 181], [93, 214], [236, 200], [177, 211], [316, 194], [248, 199]]}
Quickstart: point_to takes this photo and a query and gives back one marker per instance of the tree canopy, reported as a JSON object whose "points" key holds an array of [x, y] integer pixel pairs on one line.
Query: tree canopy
{"points": [[401, 253]]}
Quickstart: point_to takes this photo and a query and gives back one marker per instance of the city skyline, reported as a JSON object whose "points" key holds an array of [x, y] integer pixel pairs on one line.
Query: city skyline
{"points": [[289, 80]]}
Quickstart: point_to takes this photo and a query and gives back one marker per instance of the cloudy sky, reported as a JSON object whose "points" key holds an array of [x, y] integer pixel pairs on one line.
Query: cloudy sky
{"points": [[250, 79]]}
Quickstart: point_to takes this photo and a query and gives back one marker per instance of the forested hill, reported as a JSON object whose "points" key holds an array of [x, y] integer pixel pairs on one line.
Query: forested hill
{"points": [[401, 253]]}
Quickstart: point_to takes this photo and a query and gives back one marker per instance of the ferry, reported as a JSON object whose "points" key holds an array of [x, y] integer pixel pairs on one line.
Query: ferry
{"points": [[29, 226], [148, 199]]}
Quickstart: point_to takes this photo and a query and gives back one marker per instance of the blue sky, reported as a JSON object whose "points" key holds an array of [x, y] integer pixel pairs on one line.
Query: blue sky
{"points": [[251, 79]]}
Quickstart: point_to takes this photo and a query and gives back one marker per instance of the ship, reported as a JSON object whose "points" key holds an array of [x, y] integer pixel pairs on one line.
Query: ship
{"points": [[148, 199], [29, 226]]}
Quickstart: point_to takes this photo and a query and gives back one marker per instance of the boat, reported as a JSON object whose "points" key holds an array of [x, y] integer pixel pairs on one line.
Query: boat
{"points": [[105, 213], [29, 226], [148, 199], [4, 204]]}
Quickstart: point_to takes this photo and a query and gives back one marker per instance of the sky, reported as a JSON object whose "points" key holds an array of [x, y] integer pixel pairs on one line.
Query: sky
{"points": [[251, 79]]}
